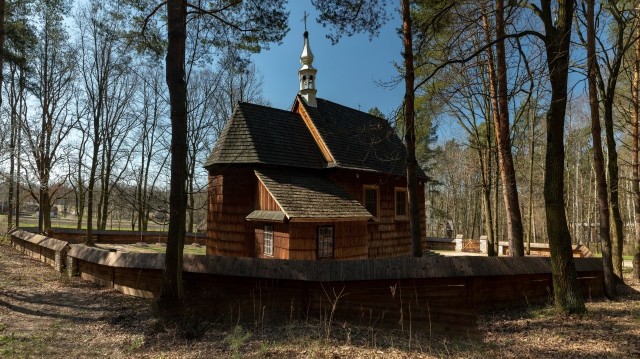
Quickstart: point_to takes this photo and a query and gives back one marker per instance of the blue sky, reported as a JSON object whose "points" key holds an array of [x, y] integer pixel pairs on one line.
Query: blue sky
{"points": [[347, 71]]}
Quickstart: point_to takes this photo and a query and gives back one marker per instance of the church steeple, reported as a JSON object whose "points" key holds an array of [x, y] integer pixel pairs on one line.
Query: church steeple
{"points": [[307, 74]]}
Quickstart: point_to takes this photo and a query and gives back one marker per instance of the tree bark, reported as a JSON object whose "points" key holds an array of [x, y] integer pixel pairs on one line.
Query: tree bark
{"points": [[13, 115], [410, 132], [172, 292], [635, 181], [532, 157], [614, 180], [503, 143], [557, 40], [598, 157]]}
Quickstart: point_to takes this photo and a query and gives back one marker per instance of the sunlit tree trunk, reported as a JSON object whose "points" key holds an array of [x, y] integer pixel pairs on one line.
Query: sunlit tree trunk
{"points": [[598, 158], [503, 143], [557, 26]]}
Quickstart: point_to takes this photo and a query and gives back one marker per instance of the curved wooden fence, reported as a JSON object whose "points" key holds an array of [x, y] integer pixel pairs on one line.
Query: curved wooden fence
{"points": [[438, 294], [72, 235]]}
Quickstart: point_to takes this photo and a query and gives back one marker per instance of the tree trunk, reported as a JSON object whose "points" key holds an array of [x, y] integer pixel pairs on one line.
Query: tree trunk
{"points": [[106, 179], [410, 132], [80, 197], [12, 143], [45, 209], [557, 40], [2, 36], [172, 292], [614, 180], [496, 205], [598, 157], [486, 169], [503, 143], [532, 157], [92, 180], [635, 180]]}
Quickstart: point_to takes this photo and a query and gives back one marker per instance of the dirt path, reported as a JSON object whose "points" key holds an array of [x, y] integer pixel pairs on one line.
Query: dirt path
{"points": [[44, 314]]}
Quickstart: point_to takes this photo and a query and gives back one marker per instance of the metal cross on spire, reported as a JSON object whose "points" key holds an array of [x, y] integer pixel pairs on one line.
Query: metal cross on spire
{"points": [[304, 19]]}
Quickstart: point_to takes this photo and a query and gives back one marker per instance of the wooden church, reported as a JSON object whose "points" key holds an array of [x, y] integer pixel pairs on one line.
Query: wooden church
{"points": [[322, 181]]}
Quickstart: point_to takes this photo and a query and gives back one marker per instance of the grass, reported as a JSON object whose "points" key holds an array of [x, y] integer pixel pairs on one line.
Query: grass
{"points": [[70, 222], [236, 339], [624, 257], [151, 248]]}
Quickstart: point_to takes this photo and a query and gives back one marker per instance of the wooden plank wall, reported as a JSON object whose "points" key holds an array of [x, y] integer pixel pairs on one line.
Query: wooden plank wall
{"points": [[443, 244], [39, 248], [388, 236], [440, 304], [438, 294], [228, 233], [265, 200], [280, 240], [350, 240]]}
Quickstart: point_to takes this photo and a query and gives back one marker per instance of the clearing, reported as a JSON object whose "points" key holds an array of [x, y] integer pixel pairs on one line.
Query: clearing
{"points": [[45, 314]]}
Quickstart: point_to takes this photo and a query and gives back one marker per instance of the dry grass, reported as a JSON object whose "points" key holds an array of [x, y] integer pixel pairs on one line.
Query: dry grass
{"points": [[195, 248], [43, 314]]}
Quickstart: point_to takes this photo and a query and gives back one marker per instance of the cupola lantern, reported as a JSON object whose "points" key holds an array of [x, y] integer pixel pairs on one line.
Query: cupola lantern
{"points": [[307, 74]]}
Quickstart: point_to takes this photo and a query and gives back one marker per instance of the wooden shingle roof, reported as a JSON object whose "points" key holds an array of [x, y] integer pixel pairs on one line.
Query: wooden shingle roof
{"points": [[357, 139], [258, 134], [306, 195], [264, 135]]}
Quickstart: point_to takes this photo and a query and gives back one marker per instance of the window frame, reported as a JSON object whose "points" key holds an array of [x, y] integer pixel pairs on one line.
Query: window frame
{"points": [[366, 188], [406, 203], [268, 228], [333, 242]]}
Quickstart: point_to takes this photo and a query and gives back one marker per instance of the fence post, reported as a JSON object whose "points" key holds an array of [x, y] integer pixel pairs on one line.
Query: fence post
{"points": [[483, 244], [72, 266], [59, 262], [458, 241]]}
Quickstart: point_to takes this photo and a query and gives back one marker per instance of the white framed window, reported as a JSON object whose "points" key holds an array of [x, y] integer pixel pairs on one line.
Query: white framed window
{"points": [[267, 243], [325, 241]]}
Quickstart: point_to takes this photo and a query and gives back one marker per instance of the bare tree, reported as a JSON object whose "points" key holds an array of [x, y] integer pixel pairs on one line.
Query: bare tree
{"points": [[55, 70], [598, 158], [103, 70]]}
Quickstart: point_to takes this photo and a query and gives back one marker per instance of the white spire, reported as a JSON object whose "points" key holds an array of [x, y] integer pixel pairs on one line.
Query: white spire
{"points": [[307, 74]]}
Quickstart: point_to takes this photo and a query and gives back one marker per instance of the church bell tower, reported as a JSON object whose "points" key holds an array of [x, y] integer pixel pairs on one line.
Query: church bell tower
{"points": [[307, 74]]}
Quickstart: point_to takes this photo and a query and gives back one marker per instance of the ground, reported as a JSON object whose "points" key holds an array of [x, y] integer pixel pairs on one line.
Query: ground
{"points": [[44, 314]]}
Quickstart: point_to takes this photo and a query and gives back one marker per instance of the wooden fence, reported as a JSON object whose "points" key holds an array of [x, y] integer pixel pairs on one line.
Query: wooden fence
{"points": [[459, 244], [74, 236], [436, 294], [48, 250]]}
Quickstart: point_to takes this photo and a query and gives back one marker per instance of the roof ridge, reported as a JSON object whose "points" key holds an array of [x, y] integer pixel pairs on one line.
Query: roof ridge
{"points": [[242, 103]]}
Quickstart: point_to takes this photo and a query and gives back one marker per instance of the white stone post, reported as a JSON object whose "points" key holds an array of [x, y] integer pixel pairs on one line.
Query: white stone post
{"points": [[483, 245], [458, 242]]}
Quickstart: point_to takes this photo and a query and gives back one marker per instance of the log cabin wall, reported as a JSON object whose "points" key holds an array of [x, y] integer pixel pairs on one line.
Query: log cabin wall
{"points": [[280, 240], [389, 236], [350, 240], [231, 199]]}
